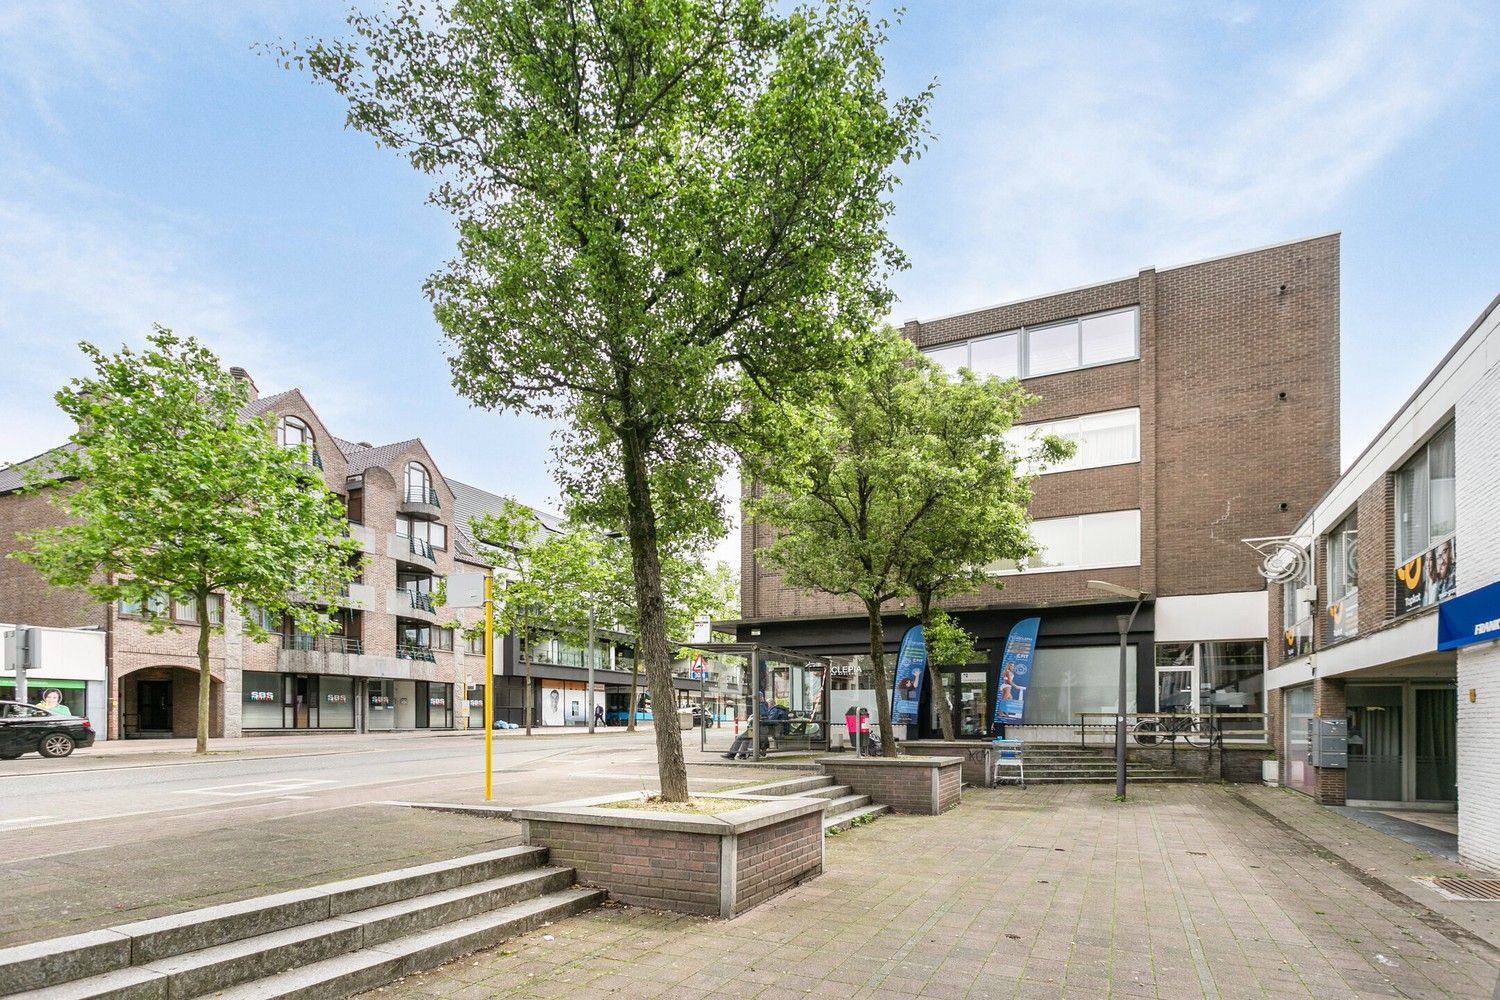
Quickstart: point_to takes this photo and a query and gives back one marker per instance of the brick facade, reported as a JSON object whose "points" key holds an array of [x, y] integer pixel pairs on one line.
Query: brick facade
{"points": [[772, 859], [659, 869], [925, 786], [1237, 384]]}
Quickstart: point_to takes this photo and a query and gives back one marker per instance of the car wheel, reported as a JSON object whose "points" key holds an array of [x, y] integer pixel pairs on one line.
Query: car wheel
{"points": [[56, 745]]}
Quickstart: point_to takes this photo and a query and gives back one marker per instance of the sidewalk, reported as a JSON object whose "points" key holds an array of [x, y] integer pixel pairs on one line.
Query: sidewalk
{"points": [[1050, 891]]}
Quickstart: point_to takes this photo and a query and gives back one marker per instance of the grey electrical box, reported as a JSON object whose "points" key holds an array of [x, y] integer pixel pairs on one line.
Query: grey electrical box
{"points": [[1328, 742]]}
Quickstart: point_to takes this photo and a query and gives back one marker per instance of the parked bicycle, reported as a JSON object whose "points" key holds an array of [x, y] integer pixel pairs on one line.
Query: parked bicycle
{"points": [[1199, 732]]}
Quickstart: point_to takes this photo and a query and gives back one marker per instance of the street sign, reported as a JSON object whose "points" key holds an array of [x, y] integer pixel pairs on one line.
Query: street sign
{"points": [[466, 590]]}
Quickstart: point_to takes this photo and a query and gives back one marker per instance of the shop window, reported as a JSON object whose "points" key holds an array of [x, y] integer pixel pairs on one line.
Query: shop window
{"points": [[260, 700], [1067, 682], [336, 703], [380, 706], [69, 696]]}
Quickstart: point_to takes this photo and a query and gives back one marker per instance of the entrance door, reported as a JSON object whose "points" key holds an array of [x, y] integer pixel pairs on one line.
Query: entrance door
{"points": [[304, 698], [153, 701], [423, 707], [1436, 752], [1375, 757], [969, 716]]}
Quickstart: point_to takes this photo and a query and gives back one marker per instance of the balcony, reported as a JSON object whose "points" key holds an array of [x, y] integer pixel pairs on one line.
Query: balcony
{"points": [[317, 460], [408, 651], [357, 595], [364, 536], [410, 604], [420, 501], [410, 550], [303, 642]]}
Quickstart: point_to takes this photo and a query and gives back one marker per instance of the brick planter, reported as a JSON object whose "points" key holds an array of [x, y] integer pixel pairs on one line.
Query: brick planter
{"points": [[922, 785], [978, 756], [714, 866]]}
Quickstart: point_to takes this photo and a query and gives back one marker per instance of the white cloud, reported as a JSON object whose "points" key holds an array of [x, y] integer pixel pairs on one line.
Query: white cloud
{"points": [[1080, 148]]}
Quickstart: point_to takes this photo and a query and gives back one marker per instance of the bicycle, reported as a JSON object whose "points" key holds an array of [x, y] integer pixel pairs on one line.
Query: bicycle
{"points": [[1198, 732]]}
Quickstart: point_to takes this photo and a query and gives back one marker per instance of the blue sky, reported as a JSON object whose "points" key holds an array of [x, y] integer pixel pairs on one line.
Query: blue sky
{"points": [[153, 168]]}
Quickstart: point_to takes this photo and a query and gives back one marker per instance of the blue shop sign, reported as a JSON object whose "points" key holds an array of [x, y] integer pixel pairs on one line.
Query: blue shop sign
{"points": [[1469, 618]]}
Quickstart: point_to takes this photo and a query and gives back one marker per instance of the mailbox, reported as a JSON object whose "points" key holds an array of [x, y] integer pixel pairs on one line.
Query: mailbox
{"points": [[1328, 742]]}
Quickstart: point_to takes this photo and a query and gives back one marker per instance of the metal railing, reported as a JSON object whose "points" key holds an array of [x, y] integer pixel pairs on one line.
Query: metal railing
{"points": [[422, 494], [322, 643], [409, 651], [317, 459], [421, 600], [421, 547], [1194, 730]]}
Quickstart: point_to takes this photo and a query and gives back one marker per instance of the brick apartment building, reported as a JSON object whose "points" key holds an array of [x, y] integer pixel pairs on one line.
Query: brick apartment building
{"points": [[395, 661], [1406, 538], [1204, 400]]}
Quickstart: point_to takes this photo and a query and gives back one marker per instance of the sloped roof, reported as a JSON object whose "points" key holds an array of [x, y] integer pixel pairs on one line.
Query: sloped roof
{"points": [[367, 458], [256, 407], [13, 477], [471, 501]]}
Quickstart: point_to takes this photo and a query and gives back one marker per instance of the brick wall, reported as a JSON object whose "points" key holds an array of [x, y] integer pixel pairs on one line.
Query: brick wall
{"points": [[1477, 428], [1237, 384], [1377, 553], [976, 768], [774, 858], [904, 785], [25, 596], [1329, 703], [655, 868]]}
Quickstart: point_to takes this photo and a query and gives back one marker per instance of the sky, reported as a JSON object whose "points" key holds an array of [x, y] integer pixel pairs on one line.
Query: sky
{"points": [[156, 168]]}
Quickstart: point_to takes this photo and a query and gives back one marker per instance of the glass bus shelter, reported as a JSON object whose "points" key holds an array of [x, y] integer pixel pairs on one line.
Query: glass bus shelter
{"points": [[780, 697]]}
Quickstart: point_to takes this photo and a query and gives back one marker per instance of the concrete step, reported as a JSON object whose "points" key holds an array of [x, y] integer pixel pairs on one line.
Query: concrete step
{"points": [[377, 965], [218, 967], [827, 792], [836, 824], [790, 786], [125, 946], [847, 803], [1108, 779]]}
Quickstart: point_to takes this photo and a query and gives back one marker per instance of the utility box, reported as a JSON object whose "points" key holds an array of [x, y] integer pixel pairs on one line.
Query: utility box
{"points": [[1328, 742]]}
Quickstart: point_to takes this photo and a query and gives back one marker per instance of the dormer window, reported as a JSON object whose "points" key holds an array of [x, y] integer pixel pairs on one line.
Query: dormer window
{"points": [[293, 432], [419, 484]]}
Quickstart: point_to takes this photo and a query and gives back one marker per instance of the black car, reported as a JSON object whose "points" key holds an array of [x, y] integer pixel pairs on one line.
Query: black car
{"points": [[25, 728]]}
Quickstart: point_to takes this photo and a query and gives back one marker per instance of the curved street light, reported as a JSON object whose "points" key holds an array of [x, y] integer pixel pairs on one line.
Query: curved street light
{"points": [[1124, 622]]}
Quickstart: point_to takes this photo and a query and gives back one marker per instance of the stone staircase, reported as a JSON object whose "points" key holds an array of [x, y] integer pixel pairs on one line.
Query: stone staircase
{"points": [[325, 941], [844, 808], [1069, 763]]}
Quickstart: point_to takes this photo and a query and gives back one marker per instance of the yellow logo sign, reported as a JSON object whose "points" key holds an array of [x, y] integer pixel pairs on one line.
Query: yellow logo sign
{"points": [[1336, 612], [1411, 574]]}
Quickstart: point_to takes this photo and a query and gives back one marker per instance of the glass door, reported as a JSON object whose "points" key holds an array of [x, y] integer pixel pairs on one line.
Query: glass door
{"points": [[1176, 677], [969, 716], [1436, 753], [1375, 757]]}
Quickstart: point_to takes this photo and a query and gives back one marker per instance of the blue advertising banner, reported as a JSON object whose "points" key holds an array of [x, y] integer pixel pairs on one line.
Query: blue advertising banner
{"points": [[1015, 671], [911, 664], [1469, 618]]}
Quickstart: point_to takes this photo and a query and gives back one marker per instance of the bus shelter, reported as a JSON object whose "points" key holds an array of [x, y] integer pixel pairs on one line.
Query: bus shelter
{"points": [[780, 696]]}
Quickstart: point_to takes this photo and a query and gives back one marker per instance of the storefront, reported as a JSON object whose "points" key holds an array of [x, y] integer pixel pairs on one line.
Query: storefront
{"points": [[69, 662], [274, 701]]}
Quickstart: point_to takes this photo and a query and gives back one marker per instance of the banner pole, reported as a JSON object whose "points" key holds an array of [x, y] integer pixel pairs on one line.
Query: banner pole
{"points": [[489, 685]]}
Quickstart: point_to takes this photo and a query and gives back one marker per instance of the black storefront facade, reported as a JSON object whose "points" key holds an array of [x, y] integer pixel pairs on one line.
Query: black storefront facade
{"points": [[1075, 673]]}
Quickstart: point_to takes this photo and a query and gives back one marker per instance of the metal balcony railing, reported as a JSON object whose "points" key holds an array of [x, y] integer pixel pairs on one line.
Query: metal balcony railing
{"points": [[421, 600], [322, 643], [317, 459], [409, 651], [421, 547], [422, 494]]}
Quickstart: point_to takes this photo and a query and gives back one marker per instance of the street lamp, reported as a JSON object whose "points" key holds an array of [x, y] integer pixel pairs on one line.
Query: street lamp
{"points": [[1124, 622], [612, 535]]}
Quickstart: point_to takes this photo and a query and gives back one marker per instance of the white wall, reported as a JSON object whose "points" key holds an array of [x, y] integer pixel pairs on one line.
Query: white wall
{"points": [[1477, 428], [1206, 617]]}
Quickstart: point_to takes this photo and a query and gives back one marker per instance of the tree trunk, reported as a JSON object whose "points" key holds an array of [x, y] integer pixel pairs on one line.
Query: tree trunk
{"points": [[939, 696], [652, 617], [205, 678], [526, 652], [635, 684], [877, 671]]}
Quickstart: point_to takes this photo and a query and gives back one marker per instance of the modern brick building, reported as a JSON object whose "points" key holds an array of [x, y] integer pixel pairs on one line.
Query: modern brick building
{"points": [[1204, 400], [1410, 532]]}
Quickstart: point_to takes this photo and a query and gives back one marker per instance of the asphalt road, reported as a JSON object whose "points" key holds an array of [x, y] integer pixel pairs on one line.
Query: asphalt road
{"points": [[49, 808]]}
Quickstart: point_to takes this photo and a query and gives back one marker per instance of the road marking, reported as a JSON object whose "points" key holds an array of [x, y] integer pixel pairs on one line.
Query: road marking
{"points": [[244, 788], [23, 819]]}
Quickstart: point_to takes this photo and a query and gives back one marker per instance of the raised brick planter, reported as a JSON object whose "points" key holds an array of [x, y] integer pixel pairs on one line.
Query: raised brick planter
{"points": [[978, 756], [922, 785], [715, 866]]}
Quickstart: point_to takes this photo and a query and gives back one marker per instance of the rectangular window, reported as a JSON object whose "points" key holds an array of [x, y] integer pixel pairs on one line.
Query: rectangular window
{"points": [[1052, 349], [439, 535], [1066, 682], [1085, 541], [354, 506], [445, 638], [215, 609], [474, 643], [130, 607], [260, 700], [998, 356], [950, 359], [1100, 339], [1343, 559], [1111, 438], [1425, 498], [185, 611], [1110, 337]]}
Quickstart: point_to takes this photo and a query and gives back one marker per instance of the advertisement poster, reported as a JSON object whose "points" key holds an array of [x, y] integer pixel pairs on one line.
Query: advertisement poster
{"points": [[1427, 579], [1343, 617], [911, 664], [1015, 671]]}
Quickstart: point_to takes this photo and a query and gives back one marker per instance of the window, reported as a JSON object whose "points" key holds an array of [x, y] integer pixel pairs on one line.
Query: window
{"points": [[1224, 679], [130, 607], [1424, 498], [1085, 541], [155, 606], [293, 432], [418, 483], [474, 643], [1112, 438], [438, 535], [1065, 682], [185, 611], [1343, 559], [354, 506], [444, 638], [1101, 339]]}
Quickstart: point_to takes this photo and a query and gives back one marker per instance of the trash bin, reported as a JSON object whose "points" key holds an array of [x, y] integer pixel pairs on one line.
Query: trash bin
{"points": [[685, 720]]}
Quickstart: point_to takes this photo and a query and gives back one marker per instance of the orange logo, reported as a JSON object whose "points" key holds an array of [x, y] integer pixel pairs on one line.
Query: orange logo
{"points": [[1336, 612], [1411, 574]]}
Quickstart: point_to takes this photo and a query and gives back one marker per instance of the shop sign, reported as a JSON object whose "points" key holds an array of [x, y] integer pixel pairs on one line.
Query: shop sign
{"points": [[1015, 671], [911, 664], [262, 696], [437, 702], [1427, 579], [1470, 618], [1297, 640], [1343, 617], [379, 700], [336, 699]]}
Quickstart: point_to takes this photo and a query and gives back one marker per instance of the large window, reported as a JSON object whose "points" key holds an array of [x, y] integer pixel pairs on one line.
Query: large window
{"points": [[260, 700], [1112, 438], [418, 483], [1424, 498], [434, 533], [1084, 541], [1343, 578], [1101, 339], [1224, 679], [293, 432], [1065, 682]]}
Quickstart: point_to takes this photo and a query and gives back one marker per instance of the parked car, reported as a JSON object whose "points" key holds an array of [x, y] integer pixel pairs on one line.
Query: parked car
{"points": [[26, 729]]}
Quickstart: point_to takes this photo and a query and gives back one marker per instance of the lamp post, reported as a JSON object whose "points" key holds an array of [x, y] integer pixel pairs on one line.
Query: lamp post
{"points": [[611, 535], [1124, 622]]}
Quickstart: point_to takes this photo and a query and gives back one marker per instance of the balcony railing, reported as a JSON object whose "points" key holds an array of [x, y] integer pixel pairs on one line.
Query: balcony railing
{"points": [[422, 494], [409, 651], [317, 459], [421, 600], [322, 643], [421, 547]]}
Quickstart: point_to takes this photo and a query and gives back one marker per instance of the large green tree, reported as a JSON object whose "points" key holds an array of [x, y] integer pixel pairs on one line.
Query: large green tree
{"points": [[665, 209], [173, 494], [893, 476]]}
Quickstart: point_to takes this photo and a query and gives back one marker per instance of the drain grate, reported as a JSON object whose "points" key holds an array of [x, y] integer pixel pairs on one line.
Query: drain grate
{"points": [[1467, 890]]}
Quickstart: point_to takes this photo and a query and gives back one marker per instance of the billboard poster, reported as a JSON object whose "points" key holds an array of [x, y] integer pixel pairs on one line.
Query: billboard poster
{"points": [[1343, 617], [911, 664], [1015, 671], [1427, 579]]}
